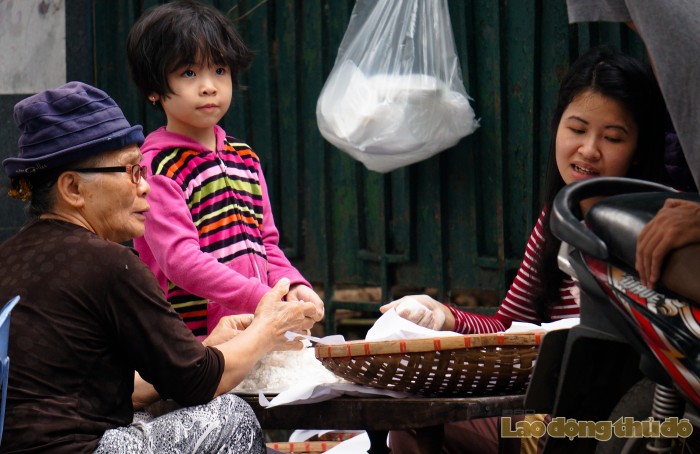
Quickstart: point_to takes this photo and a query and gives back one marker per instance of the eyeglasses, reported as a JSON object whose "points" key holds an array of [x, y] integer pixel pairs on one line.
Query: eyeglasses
{"points": [[135, 171]]}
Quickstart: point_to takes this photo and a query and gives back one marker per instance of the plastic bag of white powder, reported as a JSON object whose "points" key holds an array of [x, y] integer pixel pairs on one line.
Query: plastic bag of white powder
{"points": [[395, 94], [390, 121]]}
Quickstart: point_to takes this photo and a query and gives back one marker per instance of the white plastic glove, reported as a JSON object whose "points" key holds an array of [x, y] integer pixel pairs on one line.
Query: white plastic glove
{"points": [[421, 310]]}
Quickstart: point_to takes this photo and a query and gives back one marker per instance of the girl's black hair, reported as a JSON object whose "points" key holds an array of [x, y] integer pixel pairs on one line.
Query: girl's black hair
{"points": [[181, 33], [632, 83]]}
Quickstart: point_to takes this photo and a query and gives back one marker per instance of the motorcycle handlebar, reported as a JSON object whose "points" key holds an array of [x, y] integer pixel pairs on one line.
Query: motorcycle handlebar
{"points": [[568, 228]]}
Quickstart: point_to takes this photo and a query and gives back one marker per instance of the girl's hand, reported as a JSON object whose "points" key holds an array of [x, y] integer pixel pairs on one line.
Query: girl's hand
{"points": [[301, 292]]}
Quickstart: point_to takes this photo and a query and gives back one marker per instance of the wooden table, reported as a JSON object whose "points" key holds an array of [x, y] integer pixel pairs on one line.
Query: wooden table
{"points": [[378, 415]]}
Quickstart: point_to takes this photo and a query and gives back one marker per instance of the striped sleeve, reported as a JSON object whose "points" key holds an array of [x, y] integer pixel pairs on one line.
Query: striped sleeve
{"points": [[518, 304], [468, 323]]}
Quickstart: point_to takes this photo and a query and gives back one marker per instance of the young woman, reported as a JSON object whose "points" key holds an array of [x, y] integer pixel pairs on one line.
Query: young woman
{"points": [[609, 120]]}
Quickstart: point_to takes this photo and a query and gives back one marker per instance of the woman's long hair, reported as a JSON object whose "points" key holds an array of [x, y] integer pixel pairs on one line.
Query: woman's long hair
{"points": [[632, 83]]}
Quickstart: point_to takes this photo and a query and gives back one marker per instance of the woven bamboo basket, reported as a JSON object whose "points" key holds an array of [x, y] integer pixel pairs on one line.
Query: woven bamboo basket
{"points": [[457, 366]]}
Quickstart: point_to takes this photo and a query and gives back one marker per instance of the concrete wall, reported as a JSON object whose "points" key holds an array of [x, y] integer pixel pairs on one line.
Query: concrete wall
{"points": [[34, 38], [33, 45]]}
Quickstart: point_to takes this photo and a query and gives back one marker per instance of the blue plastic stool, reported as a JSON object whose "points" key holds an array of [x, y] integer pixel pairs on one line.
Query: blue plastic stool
{"points": [[4, 358]]}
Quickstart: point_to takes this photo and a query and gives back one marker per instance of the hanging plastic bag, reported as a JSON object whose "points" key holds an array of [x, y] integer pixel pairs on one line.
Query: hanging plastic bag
{"points": [[395, 95]]}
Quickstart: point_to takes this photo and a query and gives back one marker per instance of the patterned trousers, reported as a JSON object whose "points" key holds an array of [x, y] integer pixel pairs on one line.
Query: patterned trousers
{"points": [[227, 424]]}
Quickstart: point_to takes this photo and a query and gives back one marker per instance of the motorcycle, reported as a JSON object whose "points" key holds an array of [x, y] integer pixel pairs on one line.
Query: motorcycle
{"points": [[627, 378]]}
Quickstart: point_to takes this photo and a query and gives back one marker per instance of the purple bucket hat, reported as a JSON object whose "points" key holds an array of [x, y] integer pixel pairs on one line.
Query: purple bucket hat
{"points": [[69, 123]]}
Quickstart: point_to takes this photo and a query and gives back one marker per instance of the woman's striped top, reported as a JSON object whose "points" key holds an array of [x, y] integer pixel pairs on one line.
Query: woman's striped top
{"points": [[518, 304]]}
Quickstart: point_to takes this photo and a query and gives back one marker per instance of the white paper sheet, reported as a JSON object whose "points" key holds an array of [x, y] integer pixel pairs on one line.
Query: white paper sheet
{"points": [[328, 340], [308, 394], [391, 326], [519, 327]]}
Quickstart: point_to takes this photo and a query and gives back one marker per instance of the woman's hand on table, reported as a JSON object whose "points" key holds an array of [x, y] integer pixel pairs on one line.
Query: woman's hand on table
{"points": [[301, 292], [422, 310]]}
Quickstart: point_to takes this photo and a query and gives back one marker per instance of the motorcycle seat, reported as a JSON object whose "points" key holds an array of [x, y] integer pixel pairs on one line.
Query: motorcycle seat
{"points": [[618, 220]]}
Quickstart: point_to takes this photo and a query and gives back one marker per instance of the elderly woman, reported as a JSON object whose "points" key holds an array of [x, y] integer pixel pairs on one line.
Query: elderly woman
{"points": [[91, 314]]}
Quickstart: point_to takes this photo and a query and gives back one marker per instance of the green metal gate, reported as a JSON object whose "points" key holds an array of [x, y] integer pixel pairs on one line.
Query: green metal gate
{"points": [[456, 222]]}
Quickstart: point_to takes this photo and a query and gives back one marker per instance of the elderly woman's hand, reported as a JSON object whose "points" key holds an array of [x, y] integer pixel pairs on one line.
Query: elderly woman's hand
{"points": [[265, 333], [301, 292], [277, 316], [227, 328], [422, 310]]}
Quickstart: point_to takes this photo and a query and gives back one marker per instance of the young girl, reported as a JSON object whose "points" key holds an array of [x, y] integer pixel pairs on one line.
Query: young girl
{"points": [[609, 121], [210, 238]]}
